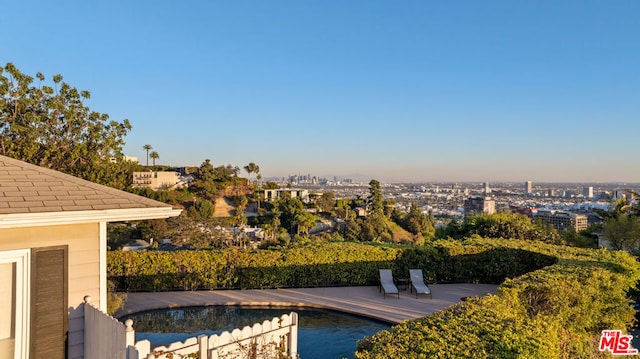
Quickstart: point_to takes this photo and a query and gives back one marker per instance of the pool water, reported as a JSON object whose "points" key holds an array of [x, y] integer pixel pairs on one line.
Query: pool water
{"points": [[322, 334]]}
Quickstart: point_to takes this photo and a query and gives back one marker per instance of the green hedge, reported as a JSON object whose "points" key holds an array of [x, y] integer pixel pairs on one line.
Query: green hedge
{"points": [[330, 264], [447, 262], [555, 312]]}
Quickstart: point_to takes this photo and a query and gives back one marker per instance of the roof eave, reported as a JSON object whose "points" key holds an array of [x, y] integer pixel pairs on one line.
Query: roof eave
{"points": [[15, 220]]}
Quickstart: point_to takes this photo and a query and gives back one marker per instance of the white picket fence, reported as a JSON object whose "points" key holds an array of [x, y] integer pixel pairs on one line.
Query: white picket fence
{"points": [[106, 337]]}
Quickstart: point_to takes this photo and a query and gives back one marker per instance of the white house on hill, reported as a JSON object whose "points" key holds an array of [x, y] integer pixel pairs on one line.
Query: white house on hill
{"points": [[156, 180], [275, 194]]}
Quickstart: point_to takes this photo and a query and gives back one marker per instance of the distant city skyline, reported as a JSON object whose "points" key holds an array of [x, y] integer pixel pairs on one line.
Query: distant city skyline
{"points": [[469, 91]]}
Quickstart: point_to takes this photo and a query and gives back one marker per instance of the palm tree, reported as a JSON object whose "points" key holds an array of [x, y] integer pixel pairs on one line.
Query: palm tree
{"points": [[304, 221], [147, 148], [154, 156]]}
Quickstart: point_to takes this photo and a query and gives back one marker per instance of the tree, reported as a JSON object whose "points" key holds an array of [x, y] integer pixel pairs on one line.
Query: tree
{"points": [[304, 221], [620, 207], [224, 174], [202, 209], [240, 203], [417, 223], [352, 230], [252, 168], [154, 156], [376, 202], [635, 209], [204, 180], [50, 126], [344, 209], [327, 201], [258, 195], [584, 238], [274, 222], [389, 207], [147, 148], [154, 228], [502, 225], [374, 228], [289, 209], [271, 185], [622, 232]]}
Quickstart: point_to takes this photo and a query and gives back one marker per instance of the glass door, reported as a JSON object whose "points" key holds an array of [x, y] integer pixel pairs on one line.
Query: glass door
{"points": [[14, 300]]}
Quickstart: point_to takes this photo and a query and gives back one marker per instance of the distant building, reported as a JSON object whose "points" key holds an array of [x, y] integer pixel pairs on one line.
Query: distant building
{"points": [[477, 205], [155, 180], [361, 211], [136, 245], [274, 194], [526, 211], [487, 189], [587, 192], [563, 220], [125, 158], [528, 188]]}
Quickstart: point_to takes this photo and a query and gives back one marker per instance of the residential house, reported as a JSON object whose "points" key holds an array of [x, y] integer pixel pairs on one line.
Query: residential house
{"points": [[156, 180], [275, 194], [53, 230]]}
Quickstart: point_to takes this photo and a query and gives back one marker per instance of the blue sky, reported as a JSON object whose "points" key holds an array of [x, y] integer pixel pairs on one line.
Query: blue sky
{"points": [[397, 91]]}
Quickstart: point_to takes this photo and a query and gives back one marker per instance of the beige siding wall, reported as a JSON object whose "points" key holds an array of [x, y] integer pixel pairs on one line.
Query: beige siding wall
{"points": [[84, 267]]}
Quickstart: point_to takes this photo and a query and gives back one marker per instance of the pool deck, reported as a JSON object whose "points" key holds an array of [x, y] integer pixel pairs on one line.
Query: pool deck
{"points": [[366, 301]]}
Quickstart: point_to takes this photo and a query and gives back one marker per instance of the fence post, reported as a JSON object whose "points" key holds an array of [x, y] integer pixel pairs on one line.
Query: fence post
{"points": [[293, 336], [87, 323], [129, 336], [203, 345]]}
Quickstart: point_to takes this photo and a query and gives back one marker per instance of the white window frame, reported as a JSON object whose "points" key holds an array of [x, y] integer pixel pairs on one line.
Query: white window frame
{"points": [[22, 259]]}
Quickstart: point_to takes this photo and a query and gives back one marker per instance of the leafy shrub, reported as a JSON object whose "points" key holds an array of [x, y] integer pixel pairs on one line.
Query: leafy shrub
{"points": [[115, 300], [558, 311]]}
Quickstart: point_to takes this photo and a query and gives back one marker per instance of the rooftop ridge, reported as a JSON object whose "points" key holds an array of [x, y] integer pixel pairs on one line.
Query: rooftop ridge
{"points": [[28, 188]]}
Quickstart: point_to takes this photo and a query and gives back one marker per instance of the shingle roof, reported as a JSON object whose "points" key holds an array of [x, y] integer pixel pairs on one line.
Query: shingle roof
{"points": [[26, 188]]}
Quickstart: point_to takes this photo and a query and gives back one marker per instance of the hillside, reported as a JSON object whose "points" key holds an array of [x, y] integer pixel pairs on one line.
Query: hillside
{"points": [[224, 207], [399, 234]]}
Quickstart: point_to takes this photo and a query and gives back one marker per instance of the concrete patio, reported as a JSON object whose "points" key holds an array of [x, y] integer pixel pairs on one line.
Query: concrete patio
{"points": [[366, 301]]}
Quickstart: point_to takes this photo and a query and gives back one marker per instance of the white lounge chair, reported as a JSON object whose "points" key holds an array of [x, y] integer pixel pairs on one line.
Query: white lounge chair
{"points": [[417, 283], [386, 283]]}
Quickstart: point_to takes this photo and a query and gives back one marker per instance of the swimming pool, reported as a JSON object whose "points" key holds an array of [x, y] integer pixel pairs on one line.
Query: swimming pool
{"points": [[323, 334]]}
